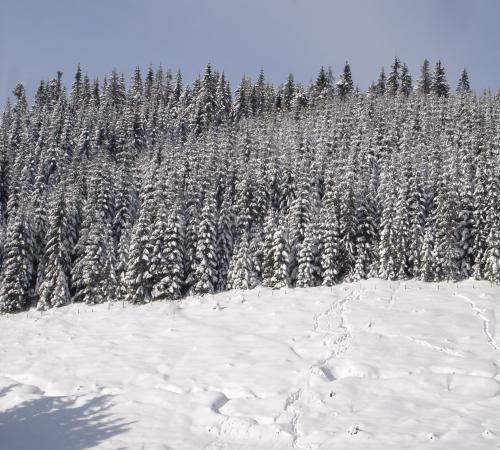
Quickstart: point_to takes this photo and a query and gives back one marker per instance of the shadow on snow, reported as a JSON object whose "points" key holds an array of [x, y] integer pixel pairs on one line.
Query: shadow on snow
{"points": [[58, 423]]}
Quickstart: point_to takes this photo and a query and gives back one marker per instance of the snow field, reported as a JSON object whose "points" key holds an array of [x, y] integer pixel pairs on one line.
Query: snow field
{"points": [[367, 365]]}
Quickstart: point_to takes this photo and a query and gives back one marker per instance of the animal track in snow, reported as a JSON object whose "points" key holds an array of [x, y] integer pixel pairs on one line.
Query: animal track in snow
{"points": [[439, 348], [337, 335], [486, 322]]}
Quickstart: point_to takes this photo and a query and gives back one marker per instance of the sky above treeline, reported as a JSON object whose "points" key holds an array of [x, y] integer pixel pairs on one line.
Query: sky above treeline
{"points": [[40, 37]]}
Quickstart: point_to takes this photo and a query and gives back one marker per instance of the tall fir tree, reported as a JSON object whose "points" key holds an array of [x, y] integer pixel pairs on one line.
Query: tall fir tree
{"points": [[463, 86], [424, 82], [439, 85]]}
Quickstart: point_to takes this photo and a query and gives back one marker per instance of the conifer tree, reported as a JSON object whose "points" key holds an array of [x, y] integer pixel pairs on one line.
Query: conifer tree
{"points": [[393, 79], [365, 233], [298, 221], [308, 258], [445, 252], [381, 83], [205, 268], [242, 97], [225, 238], [439, 85], [76, 89], [463, 86], [223, 102], [168, 255], [480, 211], [347, 217], [417, 210], [289, 91], [93, 272], [275, 252], [425, 81], [388, 246], [492, 252], [240, 272], [345, 85], [323, 86], [330, 248], [427, 267], [267, 248], [280, 257], [406, 81], [15, 291], [55, 288], [138, 278]]}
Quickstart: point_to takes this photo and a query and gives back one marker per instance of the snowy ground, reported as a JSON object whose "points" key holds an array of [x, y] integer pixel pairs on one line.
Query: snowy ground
{"points": [[370, 365]]}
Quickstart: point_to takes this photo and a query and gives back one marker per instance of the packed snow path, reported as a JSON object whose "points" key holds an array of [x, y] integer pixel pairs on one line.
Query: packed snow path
{"points": [[368, 365]]}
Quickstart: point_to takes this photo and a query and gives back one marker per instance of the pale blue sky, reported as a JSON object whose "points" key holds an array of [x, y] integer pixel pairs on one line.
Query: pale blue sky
{"points": [[39, 37]]}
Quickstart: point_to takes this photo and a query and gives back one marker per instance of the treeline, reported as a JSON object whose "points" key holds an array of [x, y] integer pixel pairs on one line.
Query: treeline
{"points": [[157, 190]]}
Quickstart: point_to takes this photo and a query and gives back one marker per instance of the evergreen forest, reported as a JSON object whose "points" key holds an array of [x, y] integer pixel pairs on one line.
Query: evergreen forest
{"points": [[154, 189]]}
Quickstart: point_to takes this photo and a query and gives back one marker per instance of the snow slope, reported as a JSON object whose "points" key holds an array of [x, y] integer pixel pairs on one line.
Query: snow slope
{"points": [[368, 365]]}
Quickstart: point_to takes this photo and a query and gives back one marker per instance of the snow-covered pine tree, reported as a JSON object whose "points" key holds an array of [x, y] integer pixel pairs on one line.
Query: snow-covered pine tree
{"points": [[205, 266], [240, 271], [55, 287], [322, 88], [308, 257], [393, 80], [299, 217], [445, 215], [388, 245], [168, 255], [93, 273], [138, 278], [330, 248], [463, 86], [365, 234], [402, 226], [439, 85], [345, 85], [242, 96], [406, 81], [225, 235], [281, 256], [223, 102], [465, 222], [289, 91], [329, 233], [15, 289], [424, 83], [347, 216], [267, 248], [417, 212], [427, 266], [381, 83], [491, 256]]}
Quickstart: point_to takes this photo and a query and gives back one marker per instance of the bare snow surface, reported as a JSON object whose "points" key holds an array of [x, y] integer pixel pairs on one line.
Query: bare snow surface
{"points": [[369, 365]]}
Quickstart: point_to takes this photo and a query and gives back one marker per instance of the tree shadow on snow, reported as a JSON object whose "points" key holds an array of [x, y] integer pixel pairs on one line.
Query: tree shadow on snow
{"points": [[4, 391], [59, 423]]}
